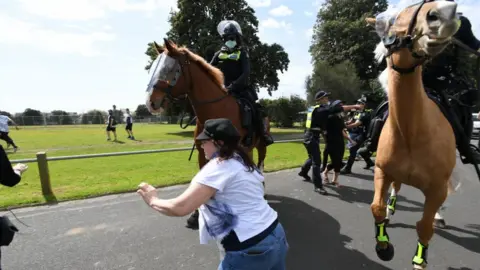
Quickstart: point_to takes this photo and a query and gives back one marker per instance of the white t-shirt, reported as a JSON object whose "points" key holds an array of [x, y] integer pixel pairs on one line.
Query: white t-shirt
{"points": [[238, 203], [4, 123]]}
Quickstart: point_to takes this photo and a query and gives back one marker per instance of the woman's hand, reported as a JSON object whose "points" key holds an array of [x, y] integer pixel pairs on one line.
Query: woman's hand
{"points": [[148, 193]]}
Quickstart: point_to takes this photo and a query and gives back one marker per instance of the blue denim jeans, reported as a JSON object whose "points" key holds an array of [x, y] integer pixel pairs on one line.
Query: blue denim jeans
{"points": [[269, 254]]}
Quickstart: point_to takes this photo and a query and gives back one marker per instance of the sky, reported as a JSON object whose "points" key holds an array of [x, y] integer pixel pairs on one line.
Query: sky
{"points": [[89, 54]]}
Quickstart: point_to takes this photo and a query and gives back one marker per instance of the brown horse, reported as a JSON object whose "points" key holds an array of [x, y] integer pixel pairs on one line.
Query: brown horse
{"points": [[185, 73], [417, 144]]}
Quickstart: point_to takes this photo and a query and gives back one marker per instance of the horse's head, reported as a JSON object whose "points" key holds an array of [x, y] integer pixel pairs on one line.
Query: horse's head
{"points": [[424, 28], [167, 82]]}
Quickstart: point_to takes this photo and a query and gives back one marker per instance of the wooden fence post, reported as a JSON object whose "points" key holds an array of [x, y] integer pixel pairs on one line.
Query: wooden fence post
{"points": [[45, 177]]}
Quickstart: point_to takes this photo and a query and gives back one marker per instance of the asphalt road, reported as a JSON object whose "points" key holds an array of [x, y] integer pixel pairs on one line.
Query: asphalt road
{"points": [[332, 232]]}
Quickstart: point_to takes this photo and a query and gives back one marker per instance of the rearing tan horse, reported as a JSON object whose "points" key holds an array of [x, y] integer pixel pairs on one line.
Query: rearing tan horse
{"points": [[417, 144]]}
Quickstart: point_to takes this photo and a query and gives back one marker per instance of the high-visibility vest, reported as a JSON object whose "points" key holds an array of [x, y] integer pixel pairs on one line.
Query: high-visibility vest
{"points": [[308, 123], [232, 56]]}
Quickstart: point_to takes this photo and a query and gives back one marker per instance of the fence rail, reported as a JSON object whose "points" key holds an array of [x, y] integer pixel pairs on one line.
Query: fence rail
{"points": [[42, 162]]}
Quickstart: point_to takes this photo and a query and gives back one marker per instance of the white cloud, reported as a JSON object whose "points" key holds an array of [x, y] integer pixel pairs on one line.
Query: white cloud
{"points": [[15, 31], [308, 13], [272, 23], [259, 3], [317, 3], [83, 10], [281, 11]]}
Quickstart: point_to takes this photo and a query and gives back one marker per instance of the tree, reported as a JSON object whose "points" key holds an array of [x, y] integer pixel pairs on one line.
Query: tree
{"points": [[142, 111], [6, 114], [32, 117], [94, 117], [284, 112], [195, 25], [341, 34], [60, 117], [340, 79]]}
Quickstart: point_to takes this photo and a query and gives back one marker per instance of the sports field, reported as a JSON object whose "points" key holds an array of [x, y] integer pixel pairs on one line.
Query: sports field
{"points": [[73, 179]]}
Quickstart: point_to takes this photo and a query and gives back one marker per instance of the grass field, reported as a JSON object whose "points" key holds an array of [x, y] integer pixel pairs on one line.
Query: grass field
{"points": [[74, 179]]}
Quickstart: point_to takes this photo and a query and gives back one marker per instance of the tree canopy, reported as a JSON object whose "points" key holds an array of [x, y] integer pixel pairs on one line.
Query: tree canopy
{"points": [[340, 34], [194, 25]]}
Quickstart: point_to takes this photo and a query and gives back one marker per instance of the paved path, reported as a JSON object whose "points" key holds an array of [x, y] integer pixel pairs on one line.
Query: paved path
{"points": [[333, 232]]}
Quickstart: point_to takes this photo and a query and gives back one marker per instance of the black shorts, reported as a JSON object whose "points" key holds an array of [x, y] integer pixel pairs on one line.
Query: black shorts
{"points": [[111, 129], [129, 127]]}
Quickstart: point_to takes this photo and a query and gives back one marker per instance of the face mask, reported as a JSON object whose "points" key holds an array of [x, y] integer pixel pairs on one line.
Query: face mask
{"points": [[231, 43]]}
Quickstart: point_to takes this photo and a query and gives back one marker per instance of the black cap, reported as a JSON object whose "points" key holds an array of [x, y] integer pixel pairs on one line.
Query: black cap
{"points": [[219, 129], [321, 94]]}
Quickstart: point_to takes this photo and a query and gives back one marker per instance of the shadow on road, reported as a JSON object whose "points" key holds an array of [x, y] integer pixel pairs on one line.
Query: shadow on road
{"points": [[315, 239], [365, 196], [470, 242]]}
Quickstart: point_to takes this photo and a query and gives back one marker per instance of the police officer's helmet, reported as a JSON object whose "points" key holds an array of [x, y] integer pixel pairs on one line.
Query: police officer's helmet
{"points": [[321, 94], [230, 30]]}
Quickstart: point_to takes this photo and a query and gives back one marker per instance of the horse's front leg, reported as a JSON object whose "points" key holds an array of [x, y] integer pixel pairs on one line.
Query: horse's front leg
{"points": [[384, 248], [434, 198]]}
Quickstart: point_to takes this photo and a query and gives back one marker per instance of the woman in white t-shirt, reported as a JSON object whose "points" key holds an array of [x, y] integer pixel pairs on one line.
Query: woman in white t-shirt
{"points": [[228, 191]]}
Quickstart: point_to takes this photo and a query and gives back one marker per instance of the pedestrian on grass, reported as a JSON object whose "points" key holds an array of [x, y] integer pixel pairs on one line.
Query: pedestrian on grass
{"points": [[129, 124], [111, 125], [4, 130], [228, 191]]}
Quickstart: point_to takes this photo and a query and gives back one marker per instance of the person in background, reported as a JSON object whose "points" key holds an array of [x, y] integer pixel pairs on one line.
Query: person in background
{"points": [[9, 177], [228, 191], [129, 124], [4, 130], [357, 132], [314, 126], [335, 135], [111, 126]]}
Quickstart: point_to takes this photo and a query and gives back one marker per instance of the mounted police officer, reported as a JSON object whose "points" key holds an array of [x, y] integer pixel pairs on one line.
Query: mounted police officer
{"points": [[451, 73], [357, 130], [315, 125], [233, 60]]}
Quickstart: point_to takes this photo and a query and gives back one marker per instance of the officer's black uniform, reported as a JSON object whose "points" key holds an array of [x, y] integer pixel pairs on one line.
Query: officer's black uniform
{"points": [[316, 122], [358, 134], [234, 62], [451, 72]]}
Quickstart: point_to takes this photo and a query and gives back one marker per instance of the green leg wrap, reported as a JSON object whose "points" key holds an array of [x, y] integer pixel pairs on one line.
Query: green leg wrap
{"points": [[420, 257], [381, 232], [391, 203]]}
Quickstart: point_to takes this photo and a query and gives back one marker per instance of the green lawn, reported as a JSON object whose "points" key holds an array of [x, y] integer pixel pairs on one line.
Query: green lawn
{"points": [[73, 179]]}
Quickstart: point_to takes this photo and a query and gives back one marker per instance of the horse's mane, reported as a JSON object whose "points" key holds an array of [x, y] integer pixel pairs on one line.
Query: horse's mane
{"points": [[215, 73], [380, 52]]}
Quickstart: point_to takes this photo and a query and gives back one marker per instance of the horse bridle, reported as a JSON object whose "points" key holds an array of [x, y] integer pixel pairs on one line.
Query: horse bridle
{"points": [[394, 43], [184, 63]]}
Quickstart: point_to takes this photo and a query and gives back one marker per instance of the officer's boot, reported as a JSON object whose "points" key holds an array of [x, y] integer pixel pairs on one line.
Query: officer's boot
{"points": [[266, 134], [192, 221]]}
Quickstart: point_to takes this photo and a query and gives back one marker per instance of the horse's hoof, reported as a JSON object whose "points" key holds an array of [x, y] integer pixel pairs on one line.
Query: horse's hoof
{"points": [[439, 223], [385, 254], [419, 267]]}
